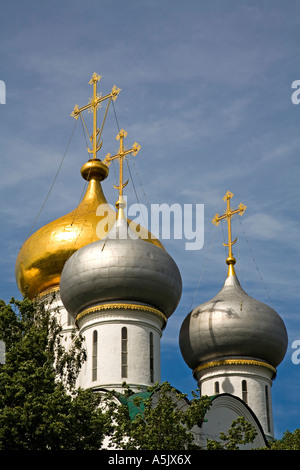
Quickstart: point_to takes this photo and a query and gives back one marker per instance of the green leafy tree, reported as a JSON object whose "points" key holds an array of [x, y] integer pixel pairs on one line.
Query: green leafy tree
{"points": [[39, 405], [163, 419], [289, 441]]}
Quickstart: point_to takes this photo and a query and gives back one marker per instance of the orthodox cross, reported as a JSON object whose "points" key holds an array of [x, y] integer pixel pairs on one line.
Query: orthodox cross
{"points": [[122, 153], [93, 105], [227, 215]]}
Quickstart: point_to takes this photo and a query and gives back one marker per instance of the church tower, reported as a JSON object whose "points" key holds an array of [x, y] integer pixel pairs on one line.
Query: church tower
{"points": [[104, 274], [233, 343], [121, 290]]}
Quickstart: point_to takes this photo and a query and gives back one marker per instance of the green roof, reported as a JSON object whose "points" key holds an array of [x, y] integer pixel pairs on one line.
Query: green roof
{"points": [[135, 408]]}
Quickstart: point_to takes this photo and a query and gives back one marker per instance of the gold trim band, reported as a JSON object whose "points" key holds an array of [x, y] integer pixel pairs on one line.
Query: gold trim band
{"points": [[116, 306], [226, 362], [49, 290]]}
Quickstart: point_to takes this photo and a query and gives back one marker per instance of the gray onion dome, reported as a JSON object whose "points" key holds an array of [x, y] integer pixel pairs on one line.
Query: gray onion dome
{"points": [[233, 325], [120, 267]]}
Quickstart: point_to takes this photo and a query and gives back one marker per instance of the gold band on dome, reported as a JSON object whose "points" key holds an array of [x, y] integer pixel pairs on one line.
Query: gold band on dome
{"points": [[225, 362], [48, 291], [116, 306]]}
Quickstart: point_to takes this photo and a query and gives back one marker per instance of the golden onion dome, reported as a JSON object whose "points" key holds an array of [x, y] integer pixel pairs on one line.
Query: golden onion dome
{"points": [[43, 255]]}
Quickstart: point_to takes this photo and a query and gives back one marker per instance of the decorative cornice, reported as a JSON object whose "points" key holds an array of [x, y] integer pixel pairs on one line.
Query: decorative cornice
{"points": [[48, 291], [230, 362], [118, 306]]}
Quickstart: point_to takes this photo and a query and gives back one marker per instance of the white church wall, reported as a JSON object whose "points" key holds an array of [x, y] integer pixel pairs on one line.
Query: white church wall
{"points": [[224, 410], [122, 350], [250, 383]]}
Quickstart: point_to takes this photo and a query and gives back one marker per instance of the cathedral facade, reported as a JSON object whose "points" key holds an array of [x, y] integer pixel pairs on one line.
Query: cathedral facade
{"points": [[119, 287]]}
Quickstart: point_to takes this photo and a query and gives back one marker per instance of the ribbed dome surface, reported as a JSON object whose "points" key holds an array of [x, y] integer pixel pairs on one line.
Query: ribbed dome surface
{"points": [[120, 267], [232, 325]]}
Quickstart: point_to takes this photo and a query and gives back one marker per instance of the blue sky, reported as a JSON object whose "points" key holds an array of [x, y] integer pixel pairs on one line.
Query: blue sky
{"points": [[206, 91]]}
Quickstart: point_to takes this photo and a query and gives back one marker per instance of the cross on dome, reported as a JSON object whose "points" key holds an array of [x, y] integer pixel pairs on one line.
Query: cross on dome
{"points": [[120, 155], [227, 215], [93, 106]]}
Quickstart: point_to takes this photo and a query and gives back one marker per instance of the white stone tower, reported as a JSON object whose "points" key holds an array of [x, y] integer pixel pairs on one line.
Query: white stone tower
{"points": [[121, 291], [233, 343]]}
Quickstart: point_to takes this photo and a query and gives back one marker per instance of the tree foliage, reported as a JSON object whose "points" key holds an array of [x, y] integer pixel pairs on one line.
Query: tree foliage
{"points": [[39, 406], [165, 420], [289, 441]]}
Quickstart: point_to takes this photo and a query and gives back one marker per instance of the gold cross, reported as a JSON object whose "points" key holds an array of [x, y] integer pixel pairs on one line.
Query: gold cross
{"points": [[122, 153], [228, 214], [93, 106]]}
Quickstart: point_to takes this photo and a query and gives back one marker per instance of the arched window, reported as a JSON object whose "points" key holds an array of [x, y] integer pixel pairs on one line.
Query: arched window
{"points": [[244, 391], [124, 352], [268, 407], [151, 356], [217, 388], [95, 355]]}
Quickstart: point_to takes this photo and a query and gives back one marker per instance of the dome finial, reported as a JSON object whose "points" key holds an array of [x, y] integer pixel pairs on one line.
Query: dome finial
{"points": [[120, 204], [228, 214], [95, 168]]}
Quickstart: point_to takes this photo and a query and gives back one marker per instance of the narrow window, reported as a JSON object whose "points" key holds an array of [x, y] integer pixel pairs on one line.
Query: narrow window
{"points": [[268, 407], [124, 352], [95, 355], [151, 355], [244, 391], [217, 388]]}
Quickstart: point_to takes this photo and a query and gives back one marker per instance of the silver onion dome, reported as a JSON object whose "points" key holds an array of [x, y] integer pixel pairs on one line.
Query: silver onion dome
{"points": [[120, 267], [232, 325]]}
